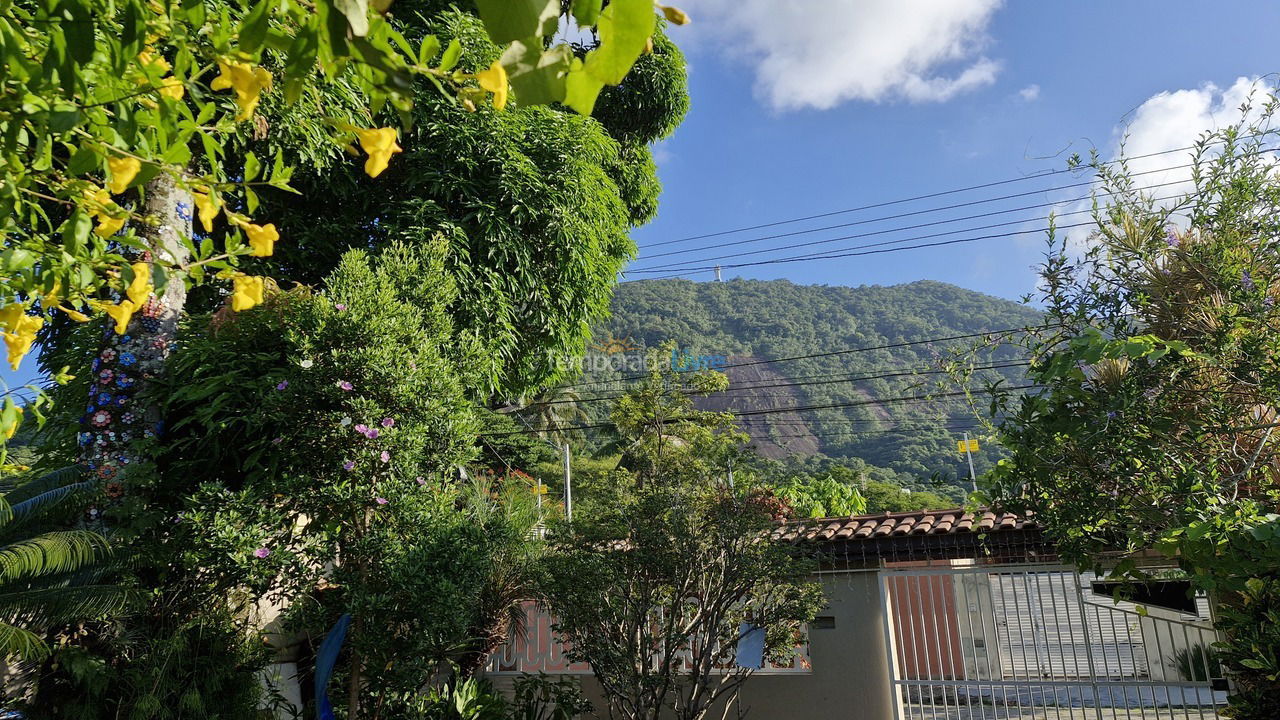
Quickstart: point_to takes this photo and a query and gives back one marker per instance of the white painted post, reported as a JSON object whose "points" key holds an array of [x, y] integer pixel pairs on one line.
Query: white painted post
{"points": [[568, 483]]}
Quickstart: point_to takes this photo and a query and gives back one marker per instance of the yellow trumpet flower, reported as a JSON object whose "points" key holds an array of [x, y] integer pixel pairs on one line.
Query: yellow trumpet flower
{"points": [[381, 145], [123, 171], [140, 289], [247, 291], [208, 208], [172, 88], [20, 331], [108, 226], [262, 238], [150, 61], [122, 313], [495, 81], [248, 81]]}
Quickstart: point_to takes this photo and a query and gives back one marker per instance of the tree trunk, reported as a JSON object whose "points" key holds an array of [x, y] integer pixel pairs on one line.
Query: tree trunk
{"points": [[121, 408]]}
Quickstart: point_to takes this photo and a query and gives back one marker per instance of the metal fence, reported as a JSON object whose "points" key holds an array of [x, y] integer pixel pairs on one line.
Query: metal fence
{"points": [[1035, 641]]}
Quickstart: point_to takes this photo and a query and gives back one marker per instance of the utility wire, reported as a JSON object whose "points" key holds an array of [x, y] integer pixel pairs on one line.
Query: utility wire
{"points": [[847, 351], [942, 193], [724, 393], [802, 408], [927, 211], [825, 254]]}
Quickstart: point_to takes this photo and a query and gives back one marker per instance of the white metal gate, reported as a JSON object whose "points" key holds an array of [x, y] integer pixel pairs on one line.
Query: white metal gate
{"points": [[1035, 641]]}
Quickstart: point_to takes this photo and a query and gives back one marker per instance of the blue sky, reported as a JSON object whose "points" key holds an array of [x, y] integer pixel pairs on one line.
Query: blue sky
{"points": [[817, 105]]}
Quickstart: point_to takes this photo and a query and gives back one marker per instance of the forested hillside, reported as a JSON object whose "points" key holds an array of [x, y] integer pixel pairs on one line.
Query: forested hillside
{"points": [[748, 321]]}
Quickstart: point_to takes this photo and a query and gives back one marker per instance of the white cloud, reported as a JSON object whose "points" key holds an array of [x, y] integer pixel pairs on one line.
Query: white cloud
{"points": [[1030, 93], [1161, 125], [820, 53]]}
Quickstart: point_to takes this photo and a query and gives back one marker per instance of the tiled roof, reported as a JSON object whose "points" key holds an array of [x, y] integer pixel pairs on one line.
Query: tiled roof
{"points": [[923, 522]]}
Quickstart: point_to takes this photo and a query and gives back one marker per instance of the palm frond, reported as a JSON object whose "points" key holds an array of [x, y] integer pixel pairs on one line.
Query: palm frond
{"points": [[52, 552], [20, 643], [44, 502], [49, 481], [58, 606]]}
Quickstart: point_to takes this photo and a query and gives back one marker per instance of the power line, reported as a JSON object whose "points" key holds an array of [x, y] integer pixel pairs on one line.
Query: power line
{"points": [[847, 351], [802, 408], [618, 382], [826, 254], [942, 193], [928, 211], [807, 258], [765, 386]]}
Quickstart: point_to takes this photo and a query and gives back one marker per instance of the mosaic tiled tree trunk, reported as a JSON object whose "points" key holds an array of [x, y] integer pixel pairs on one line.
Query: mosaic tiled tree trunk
{"points": [[120, 410]]}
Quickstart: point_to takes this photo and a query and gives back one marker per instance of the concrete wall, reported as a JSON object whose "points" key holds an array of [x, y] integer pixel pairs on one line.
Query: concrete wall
{"points": [[850, 671]]}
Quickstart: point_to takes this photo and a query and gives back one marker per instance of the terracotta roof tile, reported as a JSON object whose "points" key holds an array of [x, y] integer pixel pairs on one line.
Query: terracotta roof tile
{"points": [[925, 522]]}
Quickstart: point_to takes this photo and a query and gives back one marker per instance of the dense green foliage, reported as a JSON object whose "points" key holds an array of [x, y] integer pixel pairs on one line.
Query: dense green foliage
{"points": [[777, 319], [652, 582], [535, 203], [1157, 426]]}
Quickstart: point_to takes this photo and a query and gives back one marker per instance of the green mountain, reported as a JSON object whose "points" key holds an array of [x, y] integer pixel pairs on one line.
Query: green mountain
{"points": [[742, 322]]}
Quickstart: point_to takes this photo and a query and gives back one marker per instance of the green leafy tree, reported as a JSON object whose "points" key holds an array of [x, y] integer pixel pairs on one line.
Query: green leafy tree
{"points": [[820, 496], [654, 586], [1156, 430]]}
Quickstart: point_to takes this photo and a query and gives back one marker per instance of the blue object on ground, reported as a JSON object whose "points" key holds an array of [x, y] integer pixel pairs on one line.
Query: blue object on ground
{"points": [[326, 658]]}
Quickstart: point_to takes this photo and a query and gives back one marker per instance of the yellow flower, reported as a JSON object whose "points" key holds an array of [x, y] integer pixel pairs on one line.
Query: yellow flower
{"points": [[121, 313], [11, 315], [495, 81], [149, 61], [108, 226], [74, 314], [262, 238], [20, 332], [208, 207], [246, 292], [381, 145], [140, 289], [123, 171], [172, 88], [248, 81], [675, 15], [53, 297]]}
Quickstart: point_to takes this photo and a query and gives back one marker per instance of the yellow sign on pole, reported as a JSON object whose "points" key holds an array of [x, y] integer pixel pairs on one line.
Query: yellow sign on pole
{"points": [[967, 446]]}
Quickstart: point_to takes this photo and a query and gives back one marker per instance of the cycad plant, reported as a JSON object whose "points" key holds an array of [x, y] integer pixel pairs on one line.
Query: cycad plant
{"points": [[49, 576]]}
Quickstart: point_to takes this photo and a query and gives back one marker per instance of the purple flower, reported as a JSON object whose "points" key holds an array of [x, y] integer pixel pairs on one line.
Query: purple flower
{"points": [[349, 465], [345, 385], [261, 552], [362, 429], [277, 441], [380, 501], [1111, 414], [1268, 301], [340, 307], [1171, 237], [365, 430], [282, 384], [422, 480], [385, 456], [388, 422], [1246, 281]]}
